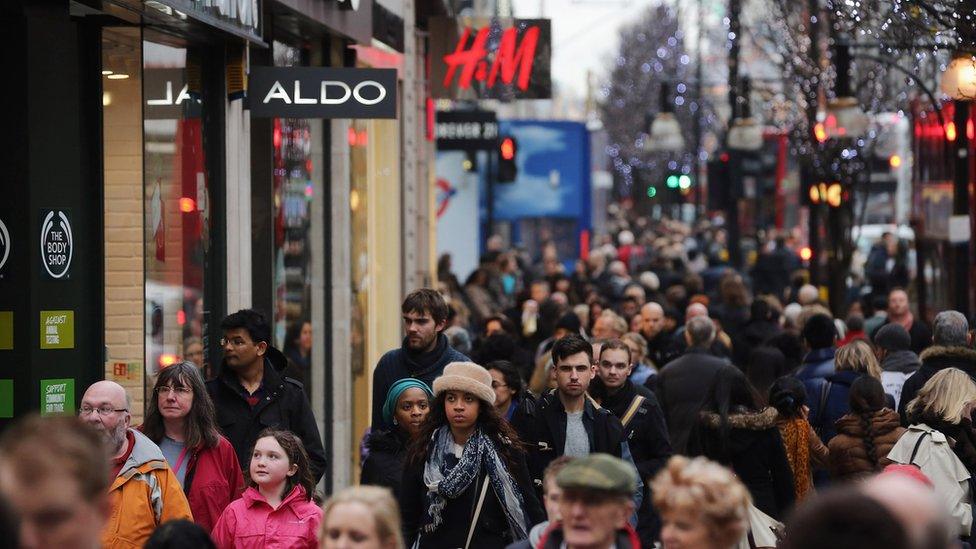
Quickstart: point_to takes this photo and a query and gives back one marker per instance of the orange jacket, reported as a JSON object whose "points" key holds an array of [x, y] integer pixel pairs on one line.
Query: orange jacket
{"points": [[144, 495]]}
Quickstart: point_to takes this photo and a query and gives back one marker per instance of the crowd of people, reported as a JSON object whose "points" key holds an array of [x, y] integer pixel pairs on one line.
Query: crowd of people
{"points": [[652, 398]]}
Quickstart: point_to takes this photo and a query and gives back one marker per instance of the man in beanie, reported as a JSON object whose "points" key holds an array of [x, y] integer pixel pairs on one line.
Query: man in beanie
{"points": [[594, 506], [424, 352], [951, 349], [892, 346]]}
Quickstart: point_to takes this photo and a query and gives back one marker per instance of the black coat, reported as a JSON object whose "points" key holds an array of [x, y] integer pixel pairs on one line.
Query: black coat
{"points": [[523, 416], [491, 531], [548, 438], [647, 436], [284, 406], [400, 363], [934, 359], [681, 387], [754, 452], [384, 466], [920, 335]]}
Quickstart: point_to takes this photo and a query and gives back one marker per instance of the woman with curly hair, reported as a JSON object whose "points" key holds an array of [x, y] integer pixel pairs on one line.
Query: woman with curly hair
{"points": [[866, 434], [702, 505], [465, 481]]}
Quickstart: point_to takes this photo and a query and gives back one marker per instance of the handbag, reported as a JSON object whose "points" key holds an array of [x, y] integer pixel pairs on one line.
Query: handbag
{"points": [[763, 530]]}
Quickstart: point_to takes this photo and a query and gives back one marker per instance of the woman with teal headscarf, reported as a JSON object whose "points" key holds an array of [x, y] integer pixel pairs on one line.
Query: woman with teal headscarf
{"points": [[406, 408]]}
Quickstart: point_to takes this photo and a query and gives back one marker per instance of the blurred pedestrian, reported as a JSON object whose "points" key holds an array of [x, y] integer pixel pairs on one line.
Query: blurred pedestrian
{"points": [[702, 505], [899, 312], [844, 519], [828, 398], [406, 408], [363, 517], [54, 473], [513, 401], [594, 506], [180, 534], [551, 496]]}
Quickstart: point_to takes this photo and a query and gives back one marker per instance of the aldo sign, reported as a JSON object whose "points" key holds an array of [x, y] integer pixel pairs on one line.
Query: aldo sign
{"points": [[313, 92]]}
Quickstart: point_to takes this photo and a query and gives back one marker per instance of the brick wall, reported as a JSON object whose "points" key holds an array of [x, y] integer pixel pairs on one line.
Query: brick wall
{"points": [[124, 246]]}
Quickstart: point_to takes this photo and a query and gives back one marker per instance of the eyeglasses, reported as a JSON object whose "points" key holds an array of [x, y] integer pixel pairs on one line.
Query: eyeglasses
{"points": [[179, 391], [497, 385], [236, 342], [86, 411]]}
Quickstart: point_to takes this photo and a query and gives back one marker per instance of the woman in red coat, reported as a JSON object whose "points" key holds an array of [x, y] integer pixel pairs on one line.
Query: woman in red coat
{"points": [[181, 420]]}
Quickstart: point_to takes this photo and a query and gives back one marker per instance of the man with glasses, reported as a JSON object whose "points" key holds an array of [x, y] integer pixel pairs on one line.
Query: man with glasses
{"points": [[144, 492], [251, 393]]}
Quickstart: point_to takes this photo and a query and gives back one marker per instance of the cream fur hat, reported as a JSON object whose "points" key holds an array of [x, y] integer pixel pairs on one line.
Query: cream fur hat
{"points": [[468, 377]]}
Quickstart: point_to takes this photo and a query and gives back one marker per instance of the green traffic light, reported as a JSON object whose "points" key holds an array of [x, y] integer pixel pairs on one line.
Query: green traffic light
{"points": [[672, 181], [651, 192], [684, 182]]}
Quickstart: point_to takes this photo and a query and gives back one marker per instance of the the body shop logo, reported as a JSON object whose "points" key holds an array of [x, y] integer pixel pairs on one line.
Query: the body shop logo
{"points": [[57, 243], [4, 244]]}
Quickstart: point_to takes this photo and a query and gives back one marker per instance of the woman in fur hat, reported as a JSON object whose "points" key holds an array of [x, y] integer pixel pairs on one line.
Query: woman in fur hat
{"points": [[734, 430], [465, 481]]}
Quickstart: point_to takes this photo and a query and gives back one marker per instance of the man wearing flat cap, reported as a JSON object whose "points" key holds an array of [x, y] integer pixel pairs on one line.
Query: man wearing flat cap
{"points": [[595, 505]]}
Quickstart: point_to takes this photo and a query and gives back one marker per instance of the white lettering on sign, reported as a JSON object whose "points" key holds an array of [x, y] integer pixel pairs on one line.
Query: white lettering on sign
{"points": [[57, 388], [57, 244], [184, 95], [279, 92]]}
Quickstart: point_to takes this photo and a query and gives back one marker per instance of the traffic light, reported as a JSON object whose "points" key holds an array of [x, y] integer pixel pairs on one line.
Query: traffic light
{"points": [[507, 151], [831, 194], [651, 191]]}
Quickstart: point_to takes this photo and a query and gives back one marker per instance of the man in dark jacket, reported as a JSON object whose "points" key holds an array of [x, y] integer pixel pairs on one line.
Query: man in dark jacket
{"points": [[682, 384], [900, 313], [950, 349], [819, 333], [892, 346], [652, 328], [643, 422], [250, 393], [424, 352], [594, 506], [566, 421]]}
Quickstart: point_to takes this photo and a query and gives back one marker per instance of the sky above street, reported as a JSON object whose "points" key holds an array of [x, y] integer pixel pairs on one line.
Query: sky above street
{"points": [[584, 35]]}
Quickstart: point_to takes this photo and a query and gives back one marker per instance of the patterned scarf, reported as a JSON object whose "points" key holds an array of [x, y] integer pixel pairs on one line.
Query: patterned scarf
{"points": [[445, 482], [796, 440]]}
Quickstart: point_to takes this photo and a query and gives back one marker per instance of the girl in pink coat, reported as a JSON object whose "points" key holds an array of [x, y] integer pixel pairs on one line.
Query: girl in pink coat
{"points": [[276, 511]]}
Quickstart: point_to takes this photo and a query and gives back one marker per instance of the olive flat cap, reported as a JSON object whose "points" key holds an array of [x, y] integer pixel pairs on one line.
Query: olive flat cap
{"points": [[598, 472]]}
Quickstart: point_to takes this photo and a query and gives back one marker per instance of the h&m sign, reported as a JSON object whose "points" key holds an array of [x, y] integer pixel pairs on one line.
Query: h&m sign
{"points": [[477, 58], [314, 92]]}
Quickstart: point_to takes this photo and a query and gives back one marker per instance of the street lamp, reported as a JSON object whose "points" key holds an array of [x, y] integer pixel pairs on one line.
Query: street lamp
{"points": [[959, 79], [844, 119], [665, 132], [745, 134]]}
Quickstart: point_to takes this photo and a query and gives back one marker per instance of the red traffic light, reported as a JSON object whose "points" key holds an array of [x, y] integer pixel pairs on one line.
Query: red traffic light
{"points": [[507, 148]]}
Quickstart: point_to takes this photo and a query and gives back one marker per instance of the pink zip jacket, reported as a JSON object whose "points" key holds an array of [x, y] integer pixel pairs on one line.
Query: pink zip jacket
{"points": [[250, 522]]}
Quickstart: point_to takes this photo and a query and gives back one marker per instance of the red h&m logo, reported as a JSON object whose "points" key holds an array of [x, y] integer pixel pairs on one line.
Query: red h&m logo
{"points": [[510, 60]]}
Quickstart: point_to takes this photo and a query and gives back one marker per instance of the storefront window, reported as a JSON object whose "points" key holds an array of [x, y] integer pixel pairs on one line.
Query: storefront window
{"points": [[358, 205], [177, 207], [297, 178]]}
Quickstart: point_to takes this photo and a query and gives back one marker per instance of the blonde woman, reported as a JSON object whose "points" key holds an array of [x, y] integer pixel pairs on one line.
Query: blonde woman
{"points": [[941, 442], [828, 397], [364, 517], [702, 505]]}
